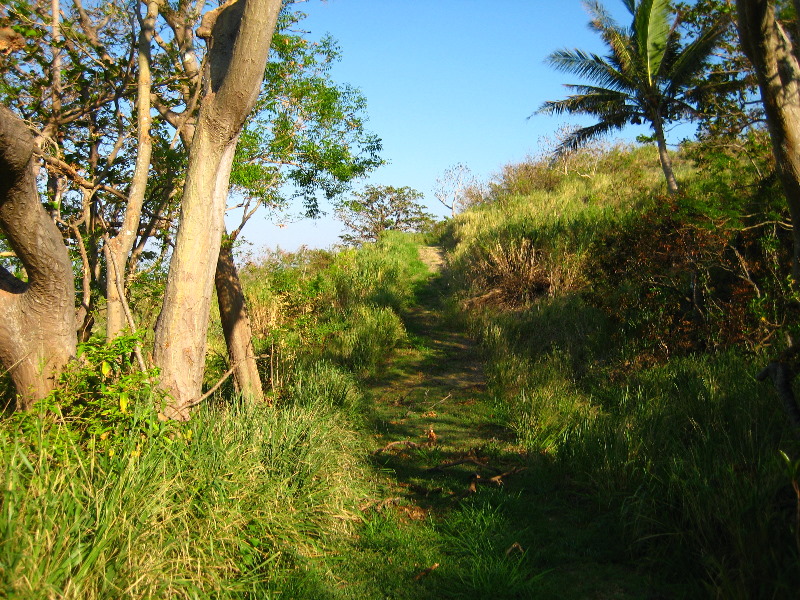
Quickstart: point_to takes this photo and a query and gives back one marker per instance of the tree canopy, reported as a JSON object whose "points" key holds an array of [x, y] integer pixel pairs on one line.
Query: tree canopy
{"points": [[381, 208]]}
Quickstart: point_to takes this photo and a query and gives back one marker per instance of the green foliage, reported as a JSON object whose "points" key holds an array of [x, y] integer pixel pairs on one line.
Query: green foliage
{"points": [[382, 208], [725, 87], [102, 402], [631, 381], [306, 131]]}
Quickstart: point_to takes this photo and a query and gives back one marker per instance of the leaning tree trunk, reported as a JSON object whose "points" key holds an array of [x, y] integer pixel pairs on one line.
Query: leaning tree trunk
{"points": [[769, 47], [37, 327], [239, 34], [236, 325], [664, 157]]}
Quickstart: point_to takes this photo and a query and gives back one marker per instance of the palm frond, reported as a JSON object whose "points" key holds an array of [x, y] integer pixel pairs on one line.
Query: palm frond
{"points": [[652, 30], [689, 62], [580, 137], [597, 102], [600, 18], [589, 66], [630, 5], [624, 55]]}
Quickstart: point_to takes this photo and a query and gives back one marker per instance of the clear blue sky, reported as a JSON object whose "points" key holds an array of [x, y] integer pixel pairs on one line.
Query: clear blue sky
{"points": [[446, 81]]}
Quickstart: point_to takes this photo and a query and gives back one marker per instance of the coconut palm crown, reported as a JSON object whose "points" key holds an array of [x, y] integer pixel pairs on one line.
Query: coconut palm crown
{"points": [[649, 75]]}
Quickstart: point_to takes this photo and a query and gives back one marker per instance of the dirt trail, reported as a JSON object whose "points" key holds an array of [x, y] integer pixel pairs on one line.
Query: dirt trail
{"points": [[430, 408], [461, 511]]}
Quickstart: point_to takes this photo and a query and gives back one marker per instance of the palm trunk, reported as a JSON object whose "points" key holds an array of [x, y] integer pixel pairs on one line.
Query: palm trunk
{"points": [[236, 325], [663, 155]]}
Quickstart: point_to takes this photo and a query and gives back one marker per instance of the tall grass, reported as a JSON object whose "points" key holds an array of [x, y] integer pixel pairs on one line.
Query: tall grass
{"points": [[239, 502], [533, 236], [685, 449], [227, 508], [340, 308]]}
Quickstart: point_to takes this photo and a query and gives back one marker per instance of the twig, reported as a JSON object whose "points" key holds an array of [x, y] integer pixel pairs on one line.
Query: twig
{"points": [[515, 547], [222, 380], [438, 402], [406, 443], [497, 480], [426, 572], [388, 502]]}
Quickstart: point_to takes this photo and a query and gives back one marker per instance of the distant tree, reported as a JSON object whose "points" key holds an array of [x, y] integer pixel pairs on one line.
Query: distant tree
{"points": [[648, 75], [380, 208], [453, 186]]}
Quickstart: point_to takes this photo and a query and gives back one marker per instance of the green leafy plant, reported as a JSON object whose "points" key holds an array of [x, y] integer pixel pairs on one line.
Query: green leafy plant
{"points": [[102, 401]]}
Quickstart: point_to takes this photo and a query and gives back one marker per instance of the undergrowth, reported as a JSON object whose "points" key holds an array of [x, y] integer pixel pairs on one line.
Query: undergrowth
{"points": [[102, 498], [623, 329]]}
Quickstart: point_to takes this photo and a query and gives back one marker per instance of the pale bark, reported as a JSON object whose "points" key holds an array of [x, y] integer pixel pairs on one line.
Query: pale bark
{"points": [[236, 325], [239, 34], [775, 60], [37, 329], [664, 157], [119, 247], [232, 307]]}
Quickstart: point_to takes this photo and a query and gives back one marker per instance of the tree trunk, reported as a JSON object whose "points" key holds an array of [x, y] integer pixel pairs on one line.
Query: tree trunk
{"points": [[37, 329], [663, 155], [236, 325], [239, 33], [119, 247], [770, 49]]}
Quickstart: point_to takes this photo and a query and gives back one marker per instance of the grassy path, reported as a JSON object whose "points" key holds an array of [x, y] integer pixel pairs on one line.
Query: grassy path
{"points": [[461, 511]]}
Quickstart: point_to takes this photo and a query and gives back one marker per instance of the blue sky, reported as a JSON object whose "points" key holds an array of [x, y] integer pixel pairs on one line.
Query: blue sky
{"points": [[446, 81]]}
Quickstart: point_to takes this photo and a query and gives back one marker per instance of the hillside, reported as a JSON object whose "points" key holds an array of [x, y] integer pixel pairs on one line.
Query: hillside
{"points": [[552, 395]]}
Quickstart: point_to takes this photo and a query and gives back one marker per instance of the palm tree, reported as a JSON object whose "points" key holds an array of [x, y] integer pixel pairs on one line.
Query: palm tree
{"points": [[648, 75]]}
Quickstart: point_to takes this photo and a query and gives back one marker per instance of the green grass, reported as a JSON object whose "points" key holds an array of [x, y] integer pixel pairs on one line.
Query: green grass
{"points": [[540, 535], [680, 448], [629, 472], [230, 513]]}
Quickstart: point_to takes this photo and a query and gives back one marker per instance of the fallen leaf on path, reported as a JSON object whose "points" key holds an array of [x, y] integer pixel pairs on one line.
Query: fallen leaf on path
{"points": [[426, 572]]}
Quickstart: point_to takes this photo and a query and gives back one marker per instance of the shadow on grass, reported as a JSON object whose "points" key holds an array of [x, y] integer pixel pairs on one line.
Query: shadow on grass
{"points": [[439, 527]]}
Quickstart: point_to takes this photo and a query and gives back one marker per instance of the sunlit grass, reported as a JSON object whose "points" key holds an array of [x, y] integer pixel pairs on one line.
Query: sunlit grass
{"points": [[220, 512]]}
